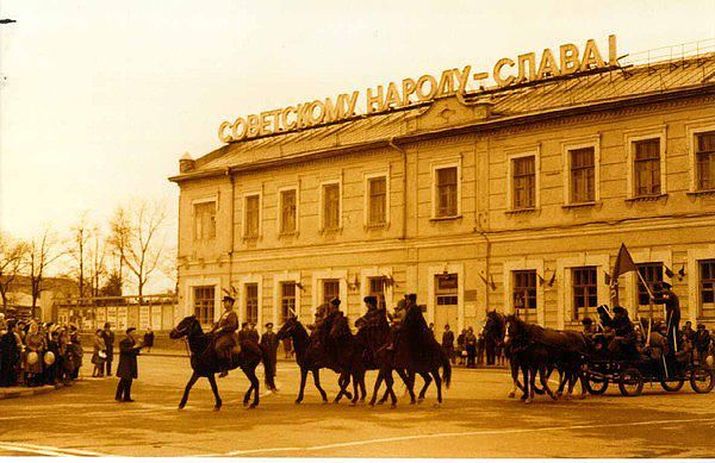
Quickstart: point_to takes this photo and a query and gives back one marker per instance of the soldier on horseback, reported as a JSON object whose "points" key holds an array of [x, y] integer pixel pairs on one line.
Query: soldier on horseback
{"points": [[224, 333]]}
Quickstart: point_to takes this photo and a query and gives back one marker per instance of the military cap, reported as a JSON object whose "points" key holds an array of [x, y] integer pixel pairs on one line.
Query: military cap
{"points": [[412, 297], [587, 321], [229, 299], [335, 301], [244, 324], [370, 300], [268, 325], [130, 329], [618, 309]]}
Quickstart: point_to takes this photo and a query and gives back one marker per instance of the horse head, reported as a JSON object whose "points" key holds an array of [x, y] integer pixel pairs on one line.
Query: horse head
{"points": [[495, 326], [514, 328], [288, 328], [185, 328]]}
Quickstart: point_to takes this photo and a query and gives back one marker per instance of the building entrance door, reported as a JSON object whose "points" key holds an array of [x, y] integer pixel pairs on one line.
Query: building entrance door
{"points": [[446, 290]]}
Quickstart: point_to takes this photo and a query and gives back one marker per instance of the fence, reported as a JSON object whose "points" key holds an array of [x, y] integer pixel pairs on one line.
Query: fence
{"points": [[158, 311]]}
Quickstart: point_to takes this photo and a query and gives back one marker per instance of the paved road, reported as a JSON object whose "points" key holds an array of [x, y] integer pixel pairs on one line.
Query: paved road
{"points": [[476, 420]]}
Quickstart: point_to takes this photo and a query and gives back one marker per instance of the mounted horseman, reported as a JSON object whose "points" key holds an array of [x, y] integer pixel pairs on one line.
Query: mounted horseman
{"points": [[225, 338]]}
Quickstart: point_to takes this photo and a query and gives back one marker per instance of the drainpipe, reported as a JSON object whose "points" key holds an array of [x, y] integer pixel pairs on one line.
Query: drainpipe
{"points": [[233, 226], [403, 234], [484, 234]]}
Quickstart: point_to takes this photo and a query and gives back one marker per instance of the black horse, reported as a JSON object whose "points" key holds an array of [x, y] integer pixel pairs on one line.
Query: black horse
{"points": [[205, 362], [311, 357]]}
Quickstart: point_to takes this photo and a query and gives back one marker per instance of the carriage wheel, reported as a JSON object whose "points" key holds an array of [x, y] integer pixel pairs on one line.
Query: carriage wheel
{"points": [[596, 386], [672, 385], [631, 382], [702, 380]]}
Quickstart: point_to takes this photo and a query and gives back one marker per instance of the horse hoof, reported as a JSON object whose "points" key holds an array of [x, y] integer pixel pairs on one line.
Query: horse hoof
{"points": [[298, 402], [372, 404], [582, 396], [528, 401], [420, 400], [352, 404], [325, 402], [437, 405], [413, 402], [393, 405], [252, 406], [511, 395], [217, 408], [181, 406]]}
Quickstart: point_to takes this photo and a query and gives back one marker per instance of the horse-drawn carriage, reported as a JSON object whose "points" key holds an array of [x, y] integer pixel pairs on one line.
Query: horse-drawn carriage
{"points": [[633, 370]]}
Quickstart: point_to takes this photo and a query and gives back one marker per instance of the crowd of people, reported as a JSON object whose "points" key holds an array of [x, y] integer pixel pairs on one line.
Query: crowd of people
{"points": [[33, 353], [471, 350]]}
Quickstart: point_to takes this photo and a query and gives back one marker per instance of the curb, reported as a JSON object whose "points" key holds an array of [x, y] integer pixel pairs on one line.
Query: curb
{"points": [[26, 392]]}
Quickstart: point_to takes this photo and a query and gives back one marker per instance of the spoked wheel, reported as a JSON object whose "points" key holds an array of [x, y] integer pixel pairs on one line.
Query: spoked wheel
{"points": [[596, 385], [672, 385], [702, 380], [631, 382]]}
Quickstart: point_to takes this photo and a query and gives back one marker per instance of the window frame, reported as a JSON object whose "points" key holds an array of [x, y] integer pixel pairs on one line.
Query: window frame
{"points": [[511, 157], [368, 177], [693, 130], [204, 202], [631, 138], [457, 163], [244, 228], [701, 305], [573, 307], [321, 205], [280, 210], [194, 288], [566, 149]]}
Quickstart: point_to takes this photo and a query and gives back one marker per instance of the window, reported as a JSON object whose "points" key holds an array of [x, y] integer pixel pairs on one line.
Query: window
{"points": [[707, 284], [377, 289], [652, 273], [524, 292], [205, 221], [583, 171], [447, 289], [331, 290], [377, 200], [287, 300], [646, 167], [251, 303], [251, 227], [446, 192], [705, 159], [524, 182], [585, 294], [288, 210], [331, 206], [204, 304]]}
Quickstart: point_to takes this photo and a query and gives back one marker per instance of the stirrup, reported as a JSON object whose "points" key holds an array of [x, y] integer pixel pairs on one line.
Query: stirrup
{"points": [[223, 374]]}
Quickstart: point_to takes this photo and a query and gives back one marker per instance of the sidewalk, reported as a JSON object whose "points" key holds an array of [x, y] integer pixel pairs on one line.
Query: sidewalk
{"points": [[19, 391]]}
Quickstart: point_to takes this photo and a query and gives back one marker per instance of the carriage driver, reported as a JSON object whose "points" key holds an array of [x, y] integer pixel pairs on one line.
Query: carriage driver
{"points": [[623, 342], [224, 332]]}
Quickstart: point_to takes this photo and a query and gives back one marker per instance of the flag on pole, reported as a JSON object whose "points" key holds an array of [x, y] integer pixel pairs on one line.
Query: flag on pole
{"points": [[624, 263]]}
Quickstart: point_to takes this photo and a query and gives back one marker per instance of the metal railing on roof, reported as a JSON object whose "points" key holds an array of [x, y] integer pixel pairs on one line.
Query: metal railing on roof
{"points": [[670, 54]]}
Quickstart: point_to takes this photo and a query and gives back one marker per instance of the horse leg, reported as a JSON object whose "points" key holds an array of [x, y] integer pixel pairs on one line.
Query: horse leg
{"points": [[343, 382], [376, 387], [363, 391], [544, 378], [532, 385], [255, 386], [187, 389], [514, 379], [406, 379], [428, 380], [303, 377], [214, 389], [438, 383], [316, 381], [390, 381]]}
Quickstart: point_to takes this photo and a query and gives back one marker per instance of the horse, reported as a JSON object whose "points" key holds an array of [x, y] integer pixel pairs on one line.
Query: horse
{"points": [[416, 350], [311, 358], [350, 357], [205, 362]]}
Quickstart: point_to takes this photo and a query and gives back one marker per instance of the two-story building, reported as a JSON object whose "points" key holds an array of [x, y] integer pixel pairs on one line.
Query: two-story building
{"points": [[513, 198]]}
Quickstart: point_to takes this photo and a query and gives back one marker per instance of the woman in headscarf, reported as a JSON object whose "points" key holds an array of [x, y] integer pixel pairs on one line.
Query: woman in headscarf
{"points": [[99, 356], [35, 344]]}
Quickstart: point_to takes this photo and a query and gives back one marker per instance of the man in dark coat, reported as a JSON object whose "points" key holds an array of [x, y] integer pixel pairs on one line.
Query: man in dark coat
{"points": [[253, 333], [623, 342], [665, 295], [702, 342], [127, 370], [224, 332], [448, 342], [108, 336], [269, 344], [10, 356]]}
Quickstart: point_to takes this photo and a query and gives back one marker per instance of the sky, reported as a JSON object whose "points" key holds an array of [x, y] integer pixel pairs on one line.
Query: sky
{"points": [[99, 99]]}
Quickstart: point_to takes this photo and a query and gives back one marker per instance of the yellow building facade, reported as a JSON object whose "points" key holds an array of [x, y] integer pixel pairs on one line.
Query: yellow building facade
{"points": [[515, 199]]}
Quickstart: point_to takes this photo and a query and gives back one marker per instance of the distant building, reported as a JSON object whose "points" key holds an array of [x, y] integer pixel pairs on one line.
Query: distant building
{"points": [[20, 296], [514, 199]]}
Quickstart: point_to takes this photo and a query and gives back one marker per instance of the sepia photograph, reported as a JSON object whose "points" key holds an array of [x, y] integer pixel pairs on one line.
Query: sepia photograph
{"points": [[329, 229]]}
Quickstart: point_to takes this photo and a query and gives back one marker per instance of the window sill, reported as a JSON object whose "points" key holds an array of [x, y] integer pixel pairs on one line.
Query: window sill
{"points": [[580, 205], [376, 226], [647, 198], [331, 231], [701, 193], [252, 238], [446, 218], [293, 234], [526, 210]]}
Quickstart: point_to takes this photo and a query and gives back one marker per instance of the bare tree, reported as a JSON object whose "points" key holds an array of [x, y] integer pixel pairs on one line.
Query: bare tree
{"points": [[81, 234], [12, 262], [41, 254], [97, 270], [136, 235]]}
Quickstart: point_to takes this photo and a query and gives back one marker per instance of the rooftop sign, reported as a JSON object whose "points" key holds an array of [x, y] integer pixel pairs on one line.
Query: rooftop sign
{"points": [[506, 72]]}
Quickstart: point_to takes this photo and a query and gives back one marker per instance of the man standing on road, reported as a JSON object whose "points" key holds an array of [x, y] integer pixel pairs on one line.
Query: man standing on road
{"points": [[108, 337], [269, 344], [127, 370], [448, 343]]}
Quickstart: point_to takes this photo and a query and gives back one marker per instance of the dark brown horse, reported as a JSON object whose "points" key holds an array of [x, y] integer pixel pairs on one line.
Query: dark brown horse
{"points": [[205, 363], [311, 356]]}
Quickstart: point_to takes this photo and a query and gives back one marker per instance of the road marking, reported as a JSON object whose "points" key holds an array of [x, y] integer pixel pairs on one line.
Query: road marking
{"points": [[454, 434], [49, 450]]}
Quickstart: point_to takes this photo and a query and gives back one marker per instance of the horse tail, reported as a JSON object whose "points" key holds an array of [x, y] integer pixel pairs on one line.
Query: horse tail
{"points": [[446, 370]]}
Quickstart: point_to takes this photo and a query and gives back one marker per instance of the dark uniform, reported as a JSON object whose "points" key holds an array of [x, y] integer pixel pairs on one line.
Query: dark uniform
{"points": [[269, 344], [224, 331], [448, 342], [127, 370], [666, 296], [624, 341], [108, 337]]}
